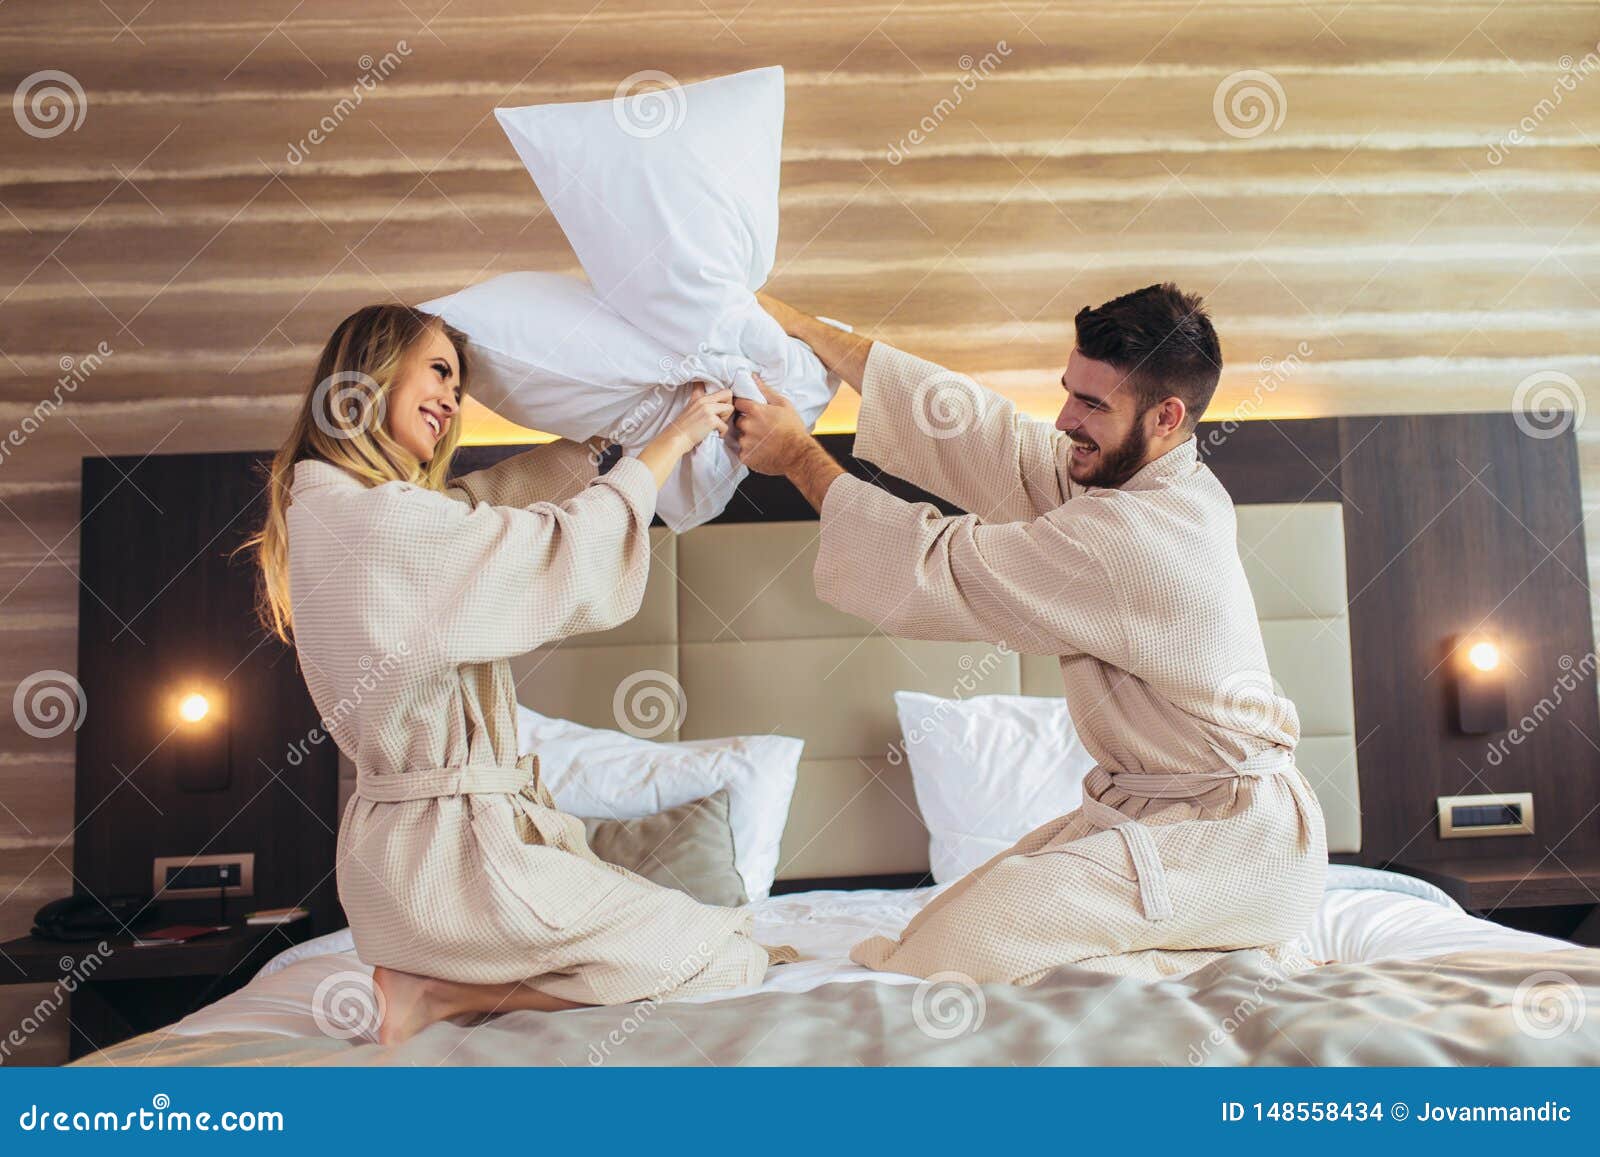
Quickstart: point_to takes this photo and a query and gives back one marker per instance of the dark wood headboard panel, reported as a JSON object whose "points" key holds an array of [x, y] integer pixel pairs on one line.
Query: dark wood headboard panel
{"points": [[1452, 522], [161, 607]]}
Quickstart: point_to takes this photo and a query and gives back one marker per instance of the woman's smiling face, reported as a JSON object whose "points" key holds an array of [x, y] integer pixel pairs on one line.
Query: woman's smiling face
{"points": [[426, 395]]}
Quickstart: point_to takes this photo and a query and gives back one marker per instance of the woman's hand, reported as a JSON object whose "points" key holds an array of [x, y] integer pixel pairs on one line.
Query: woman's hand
{"points": [[707, 414]]}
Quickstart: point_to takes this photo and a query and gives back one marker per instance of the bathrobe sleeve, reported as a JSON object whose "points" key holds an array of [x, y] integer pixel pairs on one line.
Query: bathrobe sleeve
{"points": [[498, 581], [553, 472], [1034, 586], [942, 431]]}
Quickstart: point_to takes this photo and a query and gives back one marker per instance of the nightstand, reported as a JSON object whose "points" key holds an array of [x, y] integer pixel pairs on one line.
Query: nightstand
{"points": [[1557, 897], [125, 991]]}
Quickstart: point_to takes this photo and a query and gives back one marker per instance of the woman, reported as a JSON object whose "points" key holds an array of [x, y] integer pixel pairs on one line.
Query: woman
{"points": [[464, 885]]}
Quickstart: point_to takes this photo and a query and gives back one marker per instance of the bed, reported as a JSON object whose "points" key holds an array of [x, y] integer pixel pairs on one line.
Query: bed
{"points": [[1412, 979], [1407, 977]]}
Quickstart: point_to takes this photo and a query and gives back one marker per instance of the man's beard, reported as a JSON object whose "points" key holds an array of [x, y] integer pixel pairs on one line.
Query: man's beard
{"points": [[1121, 462]]}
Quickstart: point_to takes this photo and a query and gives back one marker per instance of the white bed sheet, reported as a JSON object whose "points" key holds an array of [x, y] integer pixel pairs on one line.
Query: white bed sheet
{"points": [[1365, 915]]}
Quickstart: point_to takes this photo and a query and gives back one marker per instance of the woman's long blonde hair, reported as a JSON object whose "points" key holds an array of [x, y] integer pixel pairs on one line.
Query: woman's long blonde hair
{"points": [[342, 422]]}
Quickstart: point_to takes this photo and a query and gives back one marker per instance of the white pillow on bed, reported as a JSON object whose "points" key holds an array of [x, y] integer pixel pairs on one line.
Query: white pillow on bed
{"points": [[593, 773], [988, 770]]}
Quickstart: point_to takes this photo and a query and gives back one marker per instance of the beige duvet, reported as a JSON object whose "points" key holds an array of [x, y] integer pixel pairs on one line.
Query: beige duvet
{"points": [[1471, 1008]]}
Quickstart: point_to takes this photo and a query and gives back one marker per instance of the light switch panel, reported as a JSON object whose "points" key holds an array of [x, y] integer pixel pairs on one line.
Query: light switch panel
{"points": [[1504, 814]]}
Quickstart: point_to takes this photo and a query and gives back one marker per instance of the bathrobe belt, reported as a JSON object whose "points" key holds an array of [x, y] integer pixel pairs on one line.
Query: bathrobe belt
{"points": [[1154, 895], [431, 783]]}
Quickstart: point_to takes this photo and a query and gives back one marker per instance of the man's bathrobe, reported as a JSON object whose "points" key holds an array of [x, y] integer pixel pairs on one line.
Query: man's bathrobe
{"points": [[1197, 834], [453, 860]]}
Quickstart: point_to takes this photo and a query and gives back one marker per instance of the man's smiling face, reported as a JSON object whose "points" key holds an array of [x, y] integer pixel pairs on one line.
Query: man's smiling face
{"points": [[1102, 417]]}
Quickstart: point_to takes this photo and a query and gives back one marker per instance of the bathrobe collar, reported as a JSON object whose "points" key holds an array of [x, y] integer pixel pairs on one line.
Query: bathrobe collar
{"points": [[313, 473], [1181, 460]]}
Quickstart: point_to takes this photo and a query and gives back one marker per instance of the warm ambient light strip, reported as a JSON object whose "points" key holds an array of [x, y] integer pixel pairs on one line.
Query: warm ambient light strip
{"points": [[484, 427]]}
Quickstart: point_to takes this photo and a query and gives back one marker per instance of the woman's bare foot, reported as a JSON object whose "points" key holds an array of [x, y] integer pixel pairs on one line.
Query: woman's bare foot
{"points": [[409, 1003]]}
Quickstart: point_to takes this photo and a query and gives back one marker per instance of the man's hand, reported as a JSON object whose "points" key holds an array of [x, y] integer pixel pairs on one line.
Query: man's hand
{"points": [[772, 437]]}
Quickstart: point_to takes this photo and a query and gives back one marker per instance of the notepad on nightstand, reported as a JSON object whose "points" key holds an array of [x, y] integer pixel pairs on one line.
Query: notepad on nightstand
{"points": [[276, 916], [176, 934]]}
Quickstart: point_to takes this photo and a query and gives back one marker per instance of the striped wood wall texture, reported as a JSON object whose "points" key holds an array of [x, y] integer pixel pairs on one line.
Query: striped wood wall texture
{"points": [[1372, 242]]}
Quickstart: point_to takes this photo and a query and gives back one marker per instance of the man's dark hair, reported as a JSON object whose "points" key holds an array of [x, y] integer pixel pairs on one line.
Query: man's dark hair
{"points": [[1161, 338]]}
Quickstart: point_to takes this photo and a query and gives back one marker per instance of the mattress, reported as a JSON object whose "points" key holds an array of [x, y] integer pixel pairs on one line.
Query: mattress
{"points": [[1366, 916]]}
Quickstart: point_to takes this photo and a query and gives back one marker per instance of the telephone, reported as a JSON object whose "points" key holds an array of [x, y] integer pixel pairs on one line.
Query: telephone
{"points": [[84, 917]]}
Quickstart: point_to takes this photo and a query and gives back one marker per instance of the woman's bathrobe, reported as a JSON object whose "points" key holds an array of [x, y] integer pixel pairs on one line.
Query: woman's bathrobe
{"points": [[1197, 833], [453, 860]]}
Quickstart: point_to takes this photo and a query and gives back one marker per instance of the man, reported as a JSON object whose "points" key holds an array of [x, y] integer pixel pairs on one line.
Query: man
{"points": [[1104, 541]]}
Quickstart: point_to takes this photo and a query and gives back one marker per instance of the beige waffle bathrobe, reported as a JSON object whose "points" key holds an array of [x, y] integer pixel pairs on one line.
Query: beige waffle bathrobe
{"points": [[452, 859], [1197, 834]]}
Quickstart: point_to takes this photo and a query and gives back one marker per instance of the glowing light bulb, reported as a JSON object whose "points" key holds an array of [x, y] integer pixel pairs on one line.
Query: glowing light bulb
{"points": [[1484, 656], [194, 707]]}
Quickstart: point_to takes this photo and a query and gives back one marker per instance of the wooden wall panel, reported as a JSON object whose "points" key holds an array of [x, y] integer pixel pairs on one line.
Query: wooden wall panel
{"points": [[1379, 252]]}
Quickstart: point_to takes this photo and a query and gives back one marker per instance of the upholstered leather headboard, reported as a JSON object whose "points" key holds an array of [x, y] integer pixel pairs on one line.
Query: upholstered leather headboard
{"points": [[730, 614]]}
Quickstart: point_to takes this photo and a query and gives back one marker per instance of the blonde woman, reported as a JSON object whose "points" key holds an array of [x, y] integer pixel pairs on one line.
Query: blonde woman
{"points": [[466, 889]]}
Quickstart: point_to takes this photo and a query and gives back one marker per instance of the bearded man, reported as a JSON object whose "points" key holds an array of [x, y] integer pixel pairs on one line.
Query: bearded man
{"points": [[1105, 541]]}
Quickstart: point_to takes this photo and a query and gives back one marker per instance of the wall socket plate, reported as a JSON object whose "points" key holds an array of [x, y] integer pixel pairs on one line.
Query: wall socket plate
{"points": [[177, 877], [1501, 814]]}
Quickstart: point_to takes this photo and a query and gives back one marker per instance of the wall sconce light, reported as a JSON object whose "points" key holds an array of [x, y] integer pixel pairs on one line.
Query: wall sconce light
{"points": [[1480, 686], [201, 741]]}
